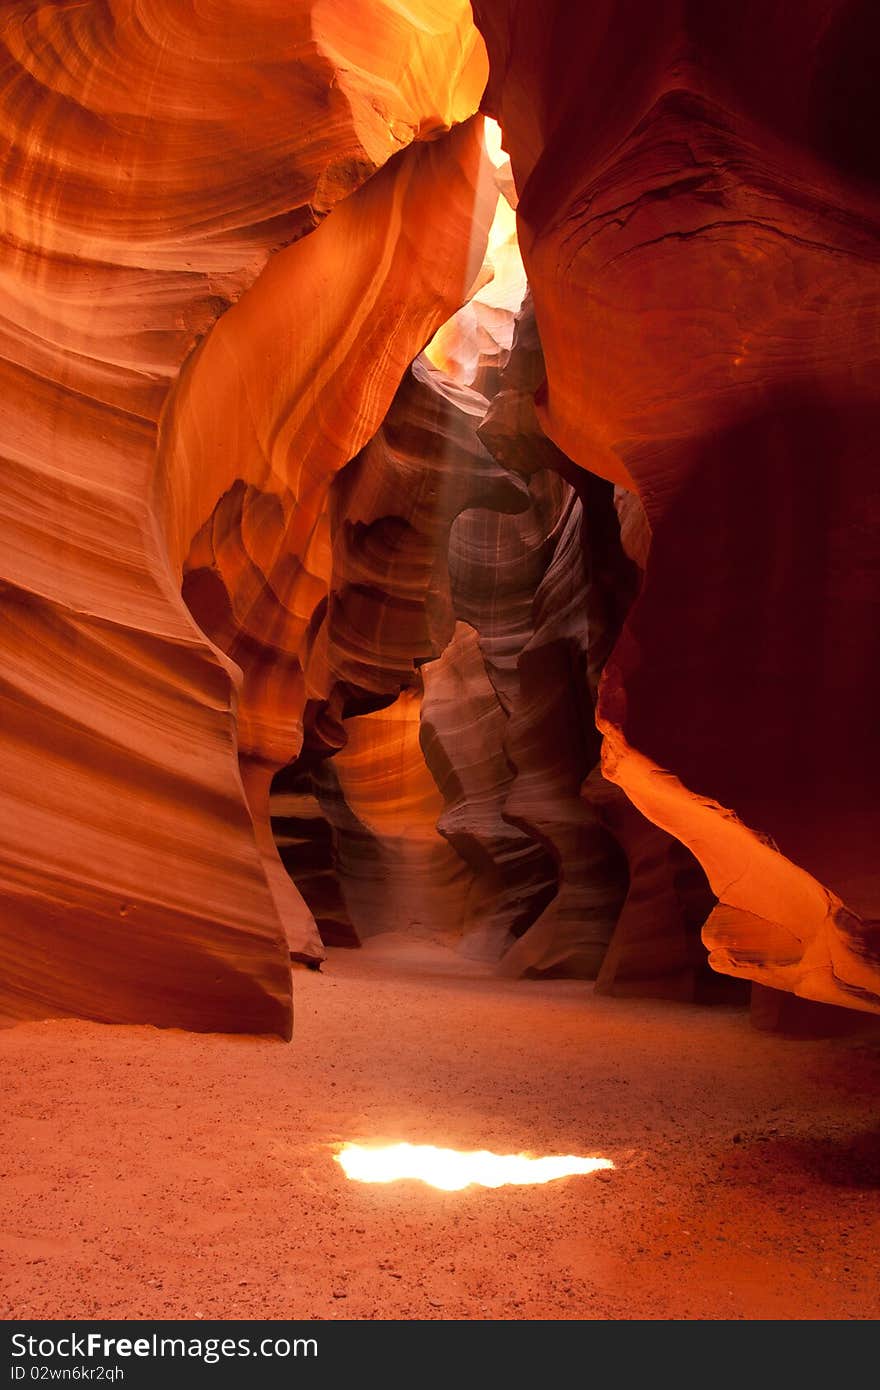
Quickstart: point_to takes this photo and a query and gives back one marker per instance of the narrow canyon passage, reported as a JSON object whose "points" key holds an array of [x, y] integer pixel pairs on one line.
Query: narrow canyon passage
{"points": [[170, 1175], [437, 493], [439, 654]]}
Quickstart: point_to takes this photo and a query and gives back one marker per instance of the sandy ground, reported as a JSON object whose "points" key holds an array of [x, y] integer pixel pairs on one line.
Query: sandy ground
{"points": [[153, 1174]]}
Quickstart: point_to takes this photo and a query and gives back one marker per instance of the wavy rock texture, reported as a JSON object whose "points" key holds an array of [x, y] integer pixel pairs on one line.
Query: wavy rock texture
{"points": [[511, 704], [463, 734], [699, 227], [392, 511], [154, 157], [398, 872], [520, 582], [308, 848], [240, 535], [656, 946], [389, 610], [505, 725], [290, 384], [553, 745]]}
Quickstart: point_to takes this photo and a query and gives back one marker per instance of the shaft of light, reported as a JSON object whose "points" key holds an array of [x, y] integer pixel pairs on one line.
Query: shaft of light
{"points": [[451, 1171]]}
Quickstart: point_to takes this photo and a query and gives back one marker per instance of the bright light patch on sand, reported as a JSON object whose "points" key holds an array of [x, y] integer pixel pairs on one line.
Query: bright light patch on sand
{"points": [[451, 1171]]}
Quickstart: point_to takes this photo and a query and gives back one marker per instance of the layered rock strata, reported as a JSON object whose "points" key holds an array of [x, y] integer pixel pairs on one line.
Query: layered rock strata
{"points": [[698, 222], [154, 160]]}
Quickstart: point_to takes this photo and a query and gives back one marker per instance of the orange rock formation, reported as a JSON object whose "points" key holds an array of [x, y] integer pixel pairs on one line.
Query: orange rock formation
{"points": [[698, 224], [321, 605], [154, 160]]}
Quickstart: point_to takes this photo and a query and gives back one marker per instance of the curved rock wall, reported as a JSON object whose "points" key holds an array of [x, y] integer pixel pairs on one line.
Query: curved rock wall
{"points": [[388, 611], [248, 525], [699, 223], [143, 197]]}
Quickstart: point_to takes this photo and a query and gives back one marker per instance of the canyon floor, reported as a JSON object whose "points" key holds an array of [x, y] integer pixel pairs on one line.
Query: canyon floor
{"points": [[150, 1174]]}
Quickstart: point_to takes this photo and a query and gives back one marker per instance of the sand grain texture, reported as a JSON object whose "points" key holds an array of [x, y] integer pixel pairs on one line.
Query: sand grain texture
{"points": [[152, 1174]]}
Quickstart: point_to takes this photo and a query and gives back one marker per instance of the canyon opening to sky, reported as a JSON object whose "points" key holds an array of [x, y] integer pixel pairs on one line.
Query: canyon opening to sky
{"points": [[441, 634]]}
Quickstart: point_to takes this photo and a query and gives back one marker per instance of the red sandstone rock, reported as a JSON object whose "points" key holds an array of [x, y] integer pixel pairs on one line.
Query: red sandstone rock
{"points": [[308, 849], [500, 565], [698, 215], [287, 388], [388, 610], [154, 158], [409, 879], [521, 582], [228, 511], [464, 732]]}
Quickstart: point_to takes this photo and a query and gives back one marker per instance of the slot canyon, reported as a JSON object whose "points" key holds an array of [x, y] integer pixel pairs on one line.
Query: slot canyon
{"points": [[440, 593]]}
